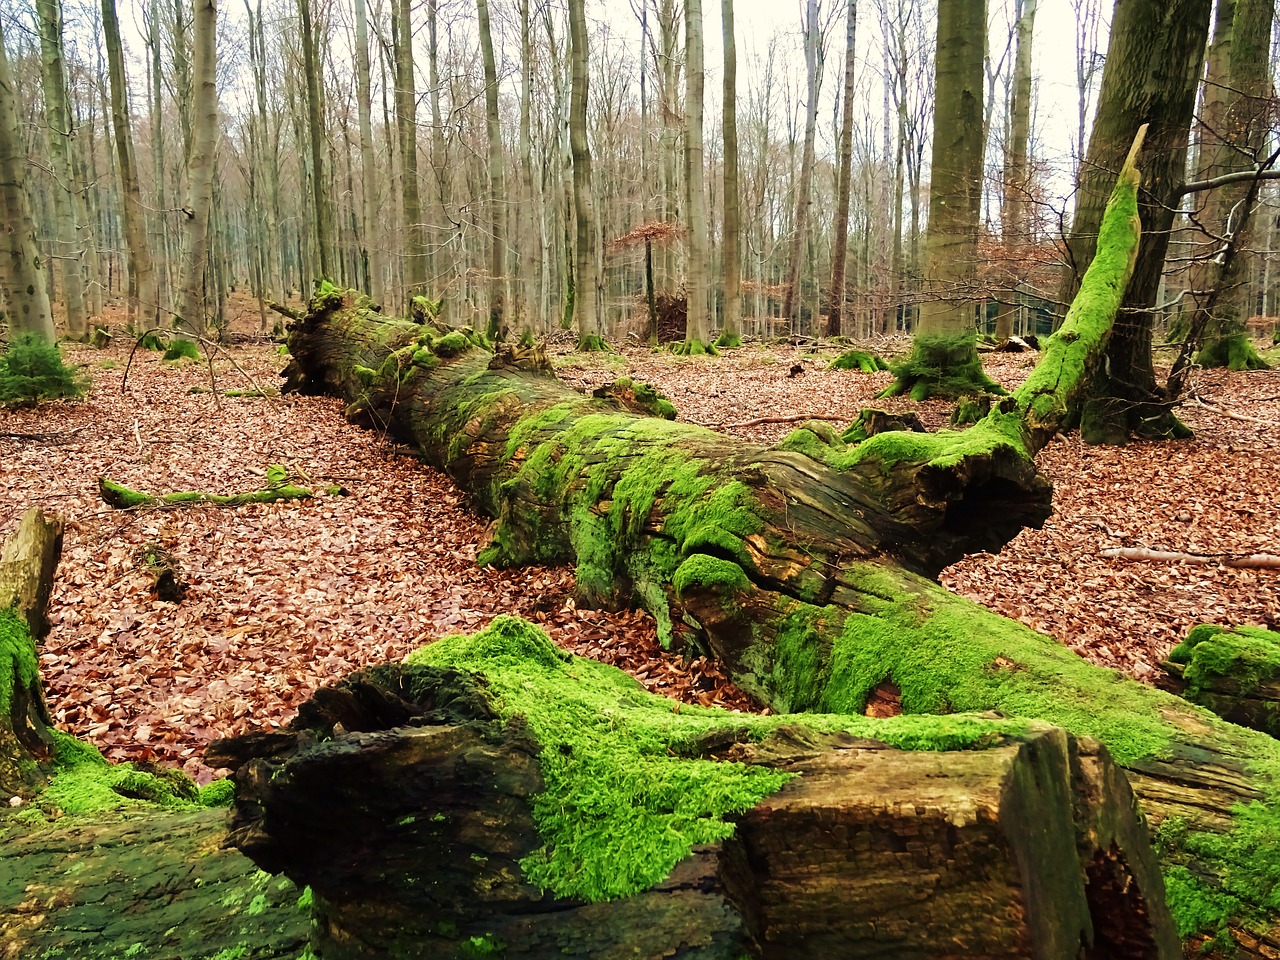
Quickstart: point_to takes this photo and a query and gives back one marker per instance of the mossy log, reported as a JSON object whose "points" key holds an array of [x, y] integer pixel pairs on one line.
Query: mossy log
{"points": [[123, 498], [1233, 672], [800, 566], [494, 795], [149, 885], [28, 561]]}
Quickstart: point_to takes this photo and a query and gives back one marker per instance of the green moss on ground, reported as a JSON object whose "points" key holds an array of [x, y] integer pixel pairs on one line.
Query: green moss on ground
{"points": [[859, 360], [728, 341], [626, 795], [946, 366], [648, 400], [590, 343], [124, 498], [32, 371]]}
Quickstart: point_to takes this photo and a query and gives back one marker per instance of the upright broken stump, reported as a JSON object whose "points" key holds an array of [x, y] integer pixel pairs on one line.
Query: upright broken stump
{"points": [[1235, 672], [28, 561], [494, 796]]}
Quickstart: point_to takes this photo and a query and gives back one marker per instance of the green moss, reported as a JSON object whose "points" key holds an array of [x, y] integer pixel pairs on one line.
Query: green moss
{"points": [[627, 795], [451, 344], [859, 360], [647, 398], [219, 793], [1249, 656], [32, 371], [941, 450], [589, 343], [151, 341], [728, 341], [483, 946], [701, 570], [181, 349], [946, 366], [1232, 350], [19, 666]]}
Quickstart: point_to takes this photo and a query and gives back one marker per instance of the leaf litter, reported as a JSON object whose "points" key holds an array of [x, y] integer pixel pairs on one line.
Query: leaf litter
{"points": [[288, 596]]}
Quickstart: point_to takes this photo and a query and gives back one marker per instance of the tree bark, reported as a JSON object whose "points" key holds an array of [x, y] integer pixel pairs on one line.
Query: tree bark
{"points": [[321, 207], [731, 247], [586, 276], [698, 325], [840, 251], [146, 306], [415, 263], [1027, 847], [58, 119], [955, 190], [498, 293], [804, 186], [28, 561], [1017, 227], [373, 249], [204, 142], [22, 272]]}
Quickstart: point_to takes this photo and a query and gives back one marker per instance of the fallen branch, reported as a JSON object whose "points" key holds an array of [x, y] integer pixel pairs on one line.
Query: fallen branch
{"points": [[763, 420], [1257, 561], [123, 498], [1223, 411]]}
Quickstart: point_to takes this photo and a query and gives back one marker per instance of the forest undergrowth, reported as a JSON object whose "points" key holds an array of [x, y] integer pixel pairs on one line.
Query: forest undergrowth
{"points": [[284, 597]]}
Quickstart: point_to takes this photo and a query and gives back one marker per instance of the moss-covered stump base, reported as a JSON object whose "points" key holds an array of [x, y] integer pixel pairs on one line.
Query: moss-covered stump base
{"points": [[859, 360], [728, 341], [1113, 420], [593, 344], [153, 885], [947, 367], [1233, 672], [638, 397], [495, 795], [693, 348], [1235, 351]]}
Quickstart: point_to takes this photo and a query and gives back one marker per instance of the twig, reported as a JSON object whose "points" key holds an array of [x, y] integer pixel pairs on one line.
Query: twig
{"points": [[761, 420], [1223, 411], [61, 437], [1256, 561]]}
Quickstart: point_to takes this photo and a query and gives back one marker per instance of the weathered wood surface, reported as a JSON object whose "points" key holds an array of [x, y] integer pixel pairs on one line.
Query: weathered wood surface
{"points": [[28, 561], [154, 885], [409, 818]]}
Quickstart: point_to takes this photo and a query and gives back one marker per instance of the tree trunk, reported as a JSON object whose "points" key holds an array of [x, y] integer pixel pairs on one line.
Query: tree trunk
{"points": [[152, 884], [955, 190], [586, 288], [204, 141], [1017, 232], [804, 186], [28, 561], [731, 248], [497, 293], [372, 249], [22, 273], [1152, 70], [840, 251], [795, 569], [698, 321], [58, 117], [1026, 846], [147, 304], [321, 208], [415, 264]]}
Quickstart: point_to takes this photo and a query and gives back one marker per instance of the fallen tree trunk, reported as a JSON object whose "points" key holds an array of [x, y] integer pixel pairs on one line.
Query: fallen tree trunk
{"points": [[1233, 672], [496, 796], [799, 565], [28, 561]]}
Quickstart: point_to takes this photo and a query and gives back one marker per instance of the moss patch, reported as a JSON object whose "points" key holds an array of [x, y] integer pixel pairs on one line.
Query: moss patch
{"points": [[1234, 350], [859, 360], [626, 795], [18, 664], [181, 349], [946, 366]]}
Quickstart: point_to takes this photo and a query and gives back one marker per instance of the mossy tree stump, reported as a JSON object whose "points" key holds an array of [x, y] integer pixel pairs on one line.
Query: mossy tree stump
{"points": [[494, 795], [28, 561], [1235, 672]]}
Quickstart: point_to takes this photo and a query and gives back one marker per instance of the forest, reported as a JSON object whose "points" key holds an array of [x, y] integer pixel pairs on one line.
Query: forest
{"points": [[534, 480]]}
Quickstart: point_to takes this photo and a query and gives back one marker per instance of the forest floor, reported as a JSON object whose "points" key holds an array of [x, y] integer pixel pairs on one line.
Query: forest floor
{"points": [[288, 596]]}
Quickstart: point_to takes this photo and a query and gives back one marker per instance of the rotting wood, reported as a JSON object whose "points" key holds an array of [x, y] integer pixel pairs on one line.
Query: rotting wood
{"points": [[1253, 561]]}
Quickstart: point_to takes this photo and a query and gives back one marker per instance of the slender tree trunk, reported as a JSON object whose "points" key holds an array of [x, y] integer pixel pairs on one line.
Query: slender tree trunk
{"points": [[321, 209], [804, 185], [1016, 226], [22, 273], [147, 304], [532, 253], [731, 249], [497, 182], [159, 235], [955, 190], [58, 118], [698, 327], [415, 267], [586, 299], [372, 250], [835, 315], [204, 140]]}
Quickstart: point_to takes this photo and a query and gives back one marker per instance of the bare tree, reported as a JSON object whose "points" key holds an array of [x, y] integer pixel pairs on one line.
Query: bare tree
{"points": [[731, 248], [200, 166], [497, 184], [586, 301], [813, 55], [840, 249]]}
